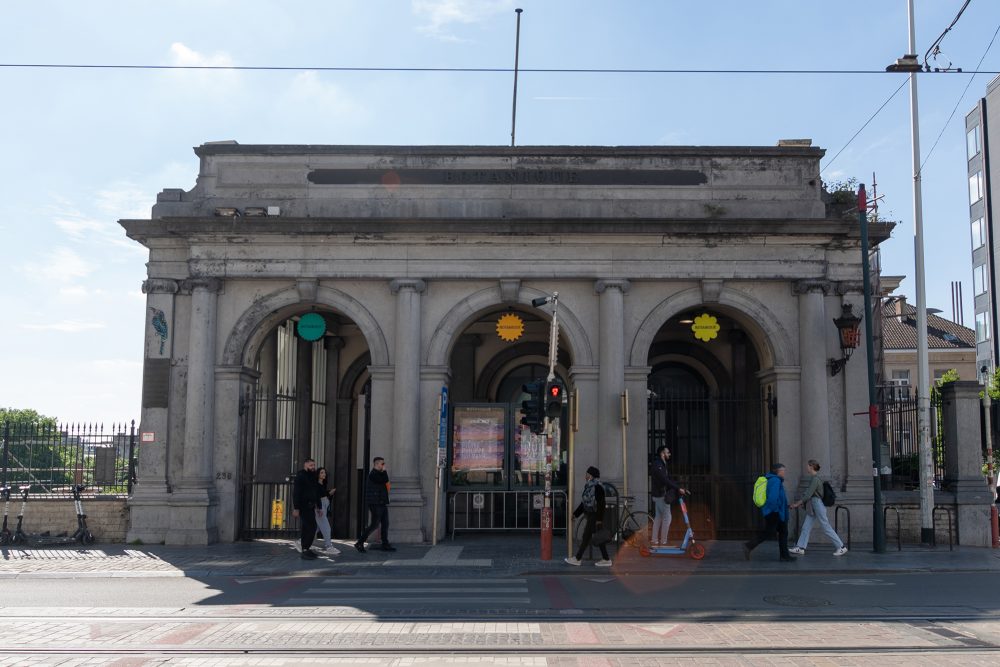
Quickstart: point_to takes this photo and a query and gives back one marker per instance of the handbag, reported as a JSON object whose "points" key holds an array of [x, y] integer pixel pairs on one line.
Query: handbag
{"points": [[601, 537]]}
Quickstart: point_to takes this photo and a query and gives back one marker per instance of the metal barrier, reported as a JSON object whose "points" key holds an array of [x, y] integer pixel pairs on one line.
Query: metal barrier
{"points": [[899, 530], [836, 523], [503, 510], [946, 510]]}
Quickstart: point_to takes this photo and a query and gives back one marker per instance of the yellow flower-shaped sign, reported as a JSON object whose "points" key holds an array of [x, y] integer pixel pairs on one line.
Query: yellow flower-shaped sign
{"points": [[510, 327], [705, 327]]}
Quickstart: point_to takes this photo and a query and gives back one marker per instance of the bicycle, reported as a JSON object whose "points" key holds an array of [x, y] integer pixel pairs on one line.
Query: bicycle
{"points": [[631, 528]]}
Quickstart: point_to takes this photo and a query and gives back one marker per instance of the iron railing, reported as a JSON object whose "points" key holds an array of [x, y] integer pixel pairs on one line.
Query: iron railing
{"points": [[50, 459], [898, 430]]}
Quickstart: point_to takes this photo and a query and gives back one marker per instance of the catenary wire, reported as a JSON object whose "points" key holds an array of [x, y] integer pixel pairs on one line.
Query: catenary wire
{"points": [[502, 70], [861, 129], [946, 30], [962, 97]]}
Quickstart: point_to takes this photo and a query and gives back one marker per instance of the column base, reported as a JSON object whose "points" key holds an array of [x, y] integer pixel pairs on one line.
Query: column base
{"points": [[406, 509], [149, 515], [193, 518]]}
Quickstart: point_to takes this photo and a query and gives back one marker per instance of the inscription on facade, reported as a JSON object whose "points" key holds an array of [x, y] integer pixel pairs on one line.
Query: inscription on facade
{"points": [[392, 177]]}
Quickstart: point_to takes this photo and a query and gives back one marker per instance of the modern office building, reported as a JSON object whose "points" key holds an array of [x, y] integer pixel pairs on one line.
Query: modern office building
{"points": [[982, 126]]}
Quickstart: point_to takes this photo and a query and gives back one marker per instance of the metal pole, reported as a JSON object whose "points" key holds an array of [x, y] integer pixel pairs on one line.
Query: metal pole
{"points": [[923, 369], [437, 478], [547, 505], [574, 425], [990, 471], [6, 454], [517, 52], [878, 526], [131, 458], [624, 419]]}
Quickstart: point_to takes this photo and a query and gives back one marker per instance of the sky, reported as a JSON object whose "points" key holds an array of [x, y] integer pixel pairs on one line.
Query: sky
{"points": [[85, 147]]}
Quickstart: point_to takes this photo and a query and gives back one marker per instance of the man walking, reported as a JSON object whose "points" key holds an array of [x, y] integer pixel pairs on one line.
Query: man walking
{"points": [[664, 491], [305, 502], [775, 512], [377, 499]]}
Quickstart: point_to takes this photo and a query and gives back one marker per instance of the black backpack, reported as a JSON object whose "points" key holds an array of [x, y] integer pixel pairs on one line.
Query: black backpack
{"points": [[829, 496]]}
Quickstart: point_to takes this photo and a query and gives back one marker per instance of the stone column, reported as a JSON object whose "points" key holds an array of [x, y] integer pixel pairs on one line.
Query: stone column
{"points": [[611, 382], [333, 423], [149, 516], [850, 396], [193, 504], [814, 399], [407, 498], [432, 378], [964, 464], [230, 445], [637, 381], [787, 432], [585, 381], [268, 383]]}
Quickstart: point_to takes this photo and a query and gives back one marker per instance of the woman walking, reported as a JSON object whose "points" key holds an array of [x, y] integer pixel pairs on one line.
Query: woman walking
{"points": [[322, 522], [812, 499], [591, 507]]}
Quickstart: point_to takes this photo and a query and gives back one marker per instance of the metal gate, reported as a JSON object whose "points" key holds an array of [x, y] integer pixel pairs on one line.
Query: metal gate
{"points": [[720, 443]]}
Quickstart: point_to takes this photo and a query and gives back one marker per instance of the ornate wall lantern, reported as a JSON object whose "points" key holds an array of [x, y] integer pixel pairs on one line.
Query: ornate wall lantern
{"points": [[848, 326]]}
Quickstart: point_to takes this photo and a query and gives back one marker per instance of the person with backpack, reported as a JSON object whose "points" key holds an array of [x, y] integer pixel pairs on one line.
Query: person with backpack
{"points": [[775, 511], [817, 497], [592, 507]]}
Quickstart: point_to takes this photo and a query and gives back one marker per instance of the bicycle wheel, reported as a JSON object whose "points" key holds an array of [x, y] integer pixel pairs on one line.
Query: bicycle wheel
{"points": [[635, 530]]}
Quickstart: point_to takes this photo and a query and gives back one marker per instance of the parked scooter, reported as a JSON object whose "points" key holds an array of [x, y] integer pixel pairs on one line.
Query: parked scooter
{"points": [[82, 535], [19, 536]]}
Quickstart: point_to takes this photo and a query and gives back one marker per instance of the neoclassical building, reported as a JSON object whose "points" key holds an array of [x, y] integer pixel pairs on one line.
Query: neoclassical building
{"points": [[314, 301]]}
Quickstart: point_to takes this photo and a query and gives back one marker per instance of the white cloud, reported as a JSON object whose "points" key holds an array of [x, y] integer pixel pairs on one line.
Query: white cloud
{"points": [[216, 83], [61, 265], [310, 95], [183, 55], [68, 326], [439, 14]]}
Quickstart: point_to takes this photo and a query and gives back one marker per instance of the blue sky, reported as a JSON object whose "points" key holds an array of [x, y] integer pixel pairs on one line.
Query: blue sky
{"points": [[85, 147]]}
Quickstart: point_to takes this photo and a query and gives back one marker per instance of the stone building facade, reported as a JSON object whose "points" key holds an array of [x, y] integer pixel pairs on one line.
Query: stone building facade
{"points": [[411, 254]]}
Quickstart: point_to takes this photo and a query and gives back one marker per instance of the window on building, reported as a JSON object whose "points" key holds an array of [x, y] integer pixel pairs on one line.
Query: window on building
{"points": [[978, 234], [901, 377], [972, 141], [975, 187], [979, 279], [982, 327]]}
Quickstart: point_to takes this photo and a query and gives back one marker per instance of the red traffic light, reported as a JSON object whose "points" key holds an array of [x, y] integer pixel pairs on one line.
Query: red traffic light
{"points": [[555, 391]]}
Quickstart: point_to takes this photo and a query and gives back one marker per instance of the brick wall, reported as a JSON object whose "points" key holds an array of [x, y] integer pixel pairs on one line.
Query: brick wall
{"points": [[106, 518]]}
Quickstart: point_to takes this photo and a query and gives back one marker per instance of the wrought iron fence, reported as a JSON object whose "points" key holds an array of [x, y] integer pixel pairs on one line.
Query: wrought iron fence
{"points": [[898, 427], [49, 459]]}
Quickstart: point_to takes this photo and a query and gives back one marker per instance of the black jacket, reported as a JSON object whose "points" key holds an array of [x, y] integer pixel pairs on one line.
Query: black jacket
{"points": [[305, 493], [662, 486], [377, 492]]}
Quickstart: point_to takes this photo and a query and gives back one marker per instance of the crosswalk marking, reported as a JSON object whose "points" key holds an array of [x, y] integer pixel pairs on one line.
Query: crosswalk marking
{"points": [[393, 591]]}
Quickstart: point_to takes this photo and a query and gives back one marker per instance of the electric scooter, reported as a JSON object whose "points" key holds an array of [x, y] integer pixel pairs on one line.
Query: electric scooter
{"points": [[82, 535], [5, 533], [19, 536], [688, 547]]}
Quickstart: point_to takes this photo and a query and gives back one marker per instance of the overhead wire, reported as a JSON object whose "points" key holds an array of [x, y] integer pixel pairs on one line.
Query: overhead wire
{"points": [[861, 129]]}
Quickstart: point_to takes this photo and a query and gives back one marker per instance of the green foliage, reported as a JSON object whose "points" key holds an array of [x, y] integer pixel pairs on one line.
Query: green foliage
{"points": [[950, 375], [23, 418]]}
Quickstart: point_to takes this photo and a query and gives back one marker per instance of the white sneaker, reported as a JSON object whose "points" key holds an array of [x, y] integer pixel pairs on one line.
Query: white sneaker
{"points": [[603, 563], [572, 560], [840, 552], [798, 551], [332, 550]]}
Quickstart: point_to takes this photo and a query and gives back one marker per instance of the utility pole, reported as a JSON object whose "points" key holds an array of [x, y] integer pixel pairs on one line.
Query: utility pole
{"points": [[517, 53], [546, 518]]}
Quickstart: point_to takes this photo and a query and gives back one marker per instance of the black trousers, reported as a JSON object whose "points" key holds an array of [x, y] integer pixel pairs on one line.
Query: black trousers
{"points": [[379, 516], [307, 522], [773, 524], [588, 532]]}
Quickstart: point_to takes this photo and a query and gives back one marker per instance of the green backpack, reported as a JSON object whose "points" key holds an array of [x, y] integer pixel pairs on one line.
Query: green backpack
{"points": [[760, 491]]}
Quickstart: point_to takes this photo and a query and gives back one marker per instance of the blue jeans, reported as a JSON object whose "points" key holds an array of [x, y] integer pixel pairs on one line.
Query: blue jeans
{"points": [[818, 516], [661, 522]]}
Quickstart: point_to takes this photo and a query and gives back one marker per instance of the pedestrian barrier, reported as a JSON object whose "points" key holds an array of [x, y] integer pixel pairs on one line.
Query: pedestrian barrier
{"points": [[836, 523], [504, 510], [899, 531]]}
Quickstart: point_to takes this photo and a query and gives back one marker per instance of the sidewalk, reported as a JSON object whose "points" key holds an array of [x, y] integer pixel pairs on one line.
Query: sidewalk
{"points": [[480, 555]]}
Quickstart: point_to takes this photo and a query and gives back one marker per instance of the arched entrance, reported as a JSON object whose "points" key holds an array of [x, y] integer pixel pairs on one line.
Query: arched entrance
{"points": [[310, 400], [706, 404], [496, 466]]}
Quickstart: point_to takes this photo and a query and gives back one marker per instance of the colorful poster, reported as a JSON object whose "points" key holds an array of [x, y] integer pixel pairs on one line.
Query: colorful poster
{"points": [[478, 438]]}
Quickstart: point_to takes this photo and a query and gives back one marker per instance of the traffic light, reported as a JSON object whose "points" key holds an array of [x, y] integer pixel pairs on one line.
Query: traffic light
{"points": [[554, 399], [533, 409]]}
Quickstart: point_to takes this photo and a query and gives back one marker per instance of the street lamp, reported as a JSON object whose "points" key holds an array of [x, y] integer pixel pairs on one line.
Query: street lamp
{"points": [[909, 65], [849, 328]]}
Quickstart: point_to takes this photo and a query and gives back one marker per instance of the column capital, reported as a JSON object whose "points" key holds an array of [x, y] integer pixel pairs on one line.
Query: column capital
{"points": [[621, 284], [204, 284], [584, 373], [440, 374], [236, 372], [810, 285], [382, 373], [412, 284], [780, 373], [637, 373], [160, 286]]}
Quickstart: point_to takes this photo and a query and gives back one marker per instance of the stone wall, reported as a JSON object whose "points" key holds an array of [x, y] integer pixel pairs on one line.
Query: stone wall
{"points": [[106, 518]]}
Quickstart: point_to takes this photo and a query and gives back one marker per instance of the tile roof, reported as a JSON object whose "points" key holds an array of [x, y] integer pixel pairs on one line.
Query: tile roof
{"points": [[899, 332]]}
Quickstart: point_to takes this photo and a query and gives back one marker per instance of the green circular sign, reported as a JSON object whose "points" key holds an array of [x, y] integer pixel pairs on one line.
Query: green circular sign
{"points": [[311, 326]]}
